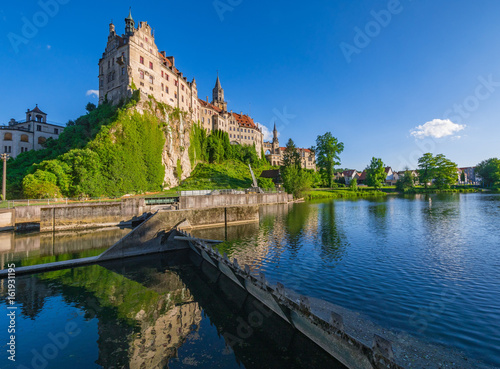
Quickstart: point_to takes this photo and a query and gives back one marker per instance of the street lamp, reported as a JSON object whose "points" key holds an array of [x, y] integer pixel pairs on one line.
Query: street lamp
{"points": [[4, 181]]}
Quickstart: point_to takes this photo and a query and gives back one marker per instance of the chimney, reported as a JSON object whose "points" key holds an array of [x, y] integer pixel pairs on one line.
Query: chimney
{"points": [[172, 60], [241, 113], [207, 98], [164, 54]]}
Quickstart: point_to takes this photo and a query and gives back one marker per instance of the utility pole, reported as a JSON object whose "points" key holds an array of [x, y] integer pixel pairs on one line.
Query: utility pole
{"points": [[4, 181]]}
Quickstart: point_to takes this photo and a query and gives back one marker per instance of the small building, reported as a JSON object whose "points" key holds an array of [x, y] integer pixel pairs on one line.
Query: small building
{"points": [[275, 154], [349, 175], [29, 134], [390, 177], [274, 174]]}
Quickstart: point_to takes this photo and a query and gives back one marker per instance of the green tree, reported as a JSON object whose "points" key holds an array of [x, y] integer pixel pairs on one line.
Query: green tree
{"points": [[427, 168], [446, 173], [489, 171], [328, 149], [265, 183], [354, 184], [41, 185], [406, 183], [90, 107], [296, 180], [375, 173], [462, 176], [291, 156]]}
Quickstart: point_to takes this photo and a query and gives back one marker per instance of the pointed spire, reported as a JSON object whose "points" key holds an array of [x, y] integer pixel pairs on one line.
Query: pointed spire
{"points": [[217, 83], [130, 14], [274, 126]]}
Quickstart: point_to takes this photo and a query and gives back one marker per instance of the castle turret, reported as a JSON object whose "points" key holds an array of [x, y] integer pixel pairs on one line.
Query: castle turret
{"points": [[276, 143], [218, 95], [129, 24]]}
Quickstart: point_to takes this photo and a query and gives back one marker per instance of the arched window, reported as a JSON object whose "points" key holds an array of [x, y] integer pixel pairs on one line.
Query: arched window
{"points": [[7, 136], [41, 140], [25, 138]]}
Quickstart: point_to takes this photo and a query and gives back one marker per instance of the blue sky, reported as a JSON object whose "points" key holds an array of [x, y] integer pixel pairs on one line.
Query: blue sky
{"points": [[371, 72]]}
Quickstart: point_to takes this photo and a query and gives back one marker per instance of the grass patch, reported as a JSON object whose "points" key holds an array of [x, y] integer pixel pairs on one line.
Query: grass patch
{"points": [[341, 193]]}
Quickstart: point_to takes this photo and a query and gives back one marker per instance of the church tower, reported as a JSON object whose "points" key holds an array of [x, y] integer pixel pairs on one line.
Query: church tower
{"points": [[276, 143], [218, 95], [129, 24]]}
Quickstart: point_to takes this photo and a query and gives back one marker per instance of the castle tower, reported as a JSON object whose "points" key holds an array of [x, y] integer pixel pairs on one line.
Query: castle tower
{"points": [[129, 24], [36, 115], [276, 143], [218, 95]]}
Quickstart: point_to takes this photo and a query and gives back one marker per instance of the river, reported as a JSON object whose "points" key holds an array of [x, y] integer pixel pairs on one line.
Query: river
{"points": [[427, 265]]}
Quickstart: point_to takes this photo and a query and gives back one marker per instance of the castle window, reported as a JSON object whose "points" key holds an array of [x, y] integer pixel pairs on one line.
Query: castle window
{"points": [[166, 89], [25, 138], [7, 136], [150, 79], [162, 74], [41, 140], [38, 128], [123, 71], [146, 39], [56, 131], [142, 60], [182, 87], [168, 77], [101, 82], [162, 86], [175, 95], [182, 98], [150, 65], [141, 74]]}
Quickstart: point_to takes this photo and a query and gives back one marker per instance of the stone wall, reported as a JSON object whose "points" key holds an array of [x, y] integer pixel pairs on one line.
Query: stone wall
{"points": [[148, 237], [197, 202], [7, 219], [81, 216]]}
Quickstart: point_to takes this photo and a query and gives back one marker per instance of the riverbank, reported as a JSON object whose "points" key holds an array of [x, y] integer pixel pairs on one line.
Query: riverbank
{"points": [[341, 194]]}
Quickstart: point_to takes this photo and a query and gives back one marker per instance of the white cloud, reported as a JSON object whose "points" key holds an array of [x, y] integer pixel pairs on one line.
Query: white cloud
{"points": [[93, 93], [268, 135], [437, 128]]}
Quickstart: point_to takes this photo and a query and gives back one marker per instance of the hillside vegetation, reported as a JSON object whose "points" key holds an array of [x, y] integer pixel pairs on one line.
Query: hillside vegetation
{"points": [[108, 152], [228, 174]]}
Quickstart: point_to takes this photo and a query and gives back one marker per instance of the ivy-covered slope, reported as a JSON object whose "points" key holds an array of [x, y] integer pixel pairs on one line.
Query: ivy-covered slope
{"points": [[110, 151]]}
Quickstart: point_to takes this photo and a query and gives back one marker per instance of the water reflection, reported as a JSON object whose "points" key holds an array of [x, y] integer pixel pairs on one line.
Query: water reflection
{"points": [[38, 248], [333, 244], [153, 312]]}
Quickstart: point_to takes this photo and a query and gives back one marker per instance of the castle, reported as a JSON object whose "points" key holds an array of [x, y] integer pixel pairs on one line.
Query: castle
{"points": [[133, 61], [275, 153]]}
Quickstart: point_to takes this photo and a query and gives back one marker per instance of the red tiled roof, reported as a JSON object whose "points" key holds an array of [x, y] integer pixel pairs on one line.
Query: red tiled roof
{"points": [[244, 121], [36, 110], [387, 169], [208, 105], [362, 177], [348, 173], [168, 63]]}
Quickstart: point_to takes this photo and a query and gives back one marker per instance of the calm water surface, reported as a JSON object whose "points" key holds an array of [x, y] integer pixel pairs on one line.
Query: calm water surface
{"points": [[427, 265]]}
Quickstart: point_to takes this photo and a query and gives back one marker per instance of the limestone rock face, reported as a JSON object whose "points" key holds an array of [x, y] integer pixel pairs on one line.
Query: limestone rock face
{"points": [[177, 130]]}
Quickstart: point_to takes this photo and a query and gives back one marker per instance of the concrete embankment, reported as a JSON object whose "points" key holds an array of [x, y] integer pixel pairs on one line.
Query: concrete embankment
{"points": [[50, 218]]}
